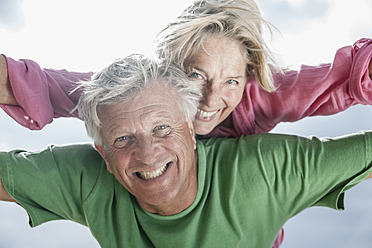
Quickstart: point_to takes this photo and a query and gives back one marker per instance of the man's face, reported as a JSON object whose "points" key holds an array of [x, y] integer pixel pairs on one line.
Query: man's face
{"points": [[150, 149]]}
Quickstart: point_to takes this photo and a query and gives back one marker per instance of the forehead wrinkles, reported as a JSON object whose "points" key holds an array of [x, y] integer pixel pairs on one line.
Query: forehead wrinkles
{"points": [[215, 58], [132, 119], [222, 68]]}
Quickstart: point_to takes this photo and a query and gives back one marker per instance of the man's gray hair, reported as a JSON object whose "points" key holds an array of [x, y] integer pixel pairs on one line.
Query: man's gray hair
{"points": [[126, 78]]}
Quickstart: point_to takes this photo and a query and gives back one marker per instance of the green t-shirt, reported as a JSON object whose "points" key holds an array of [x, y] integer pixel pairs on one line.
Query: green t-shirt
{"points": [[247, 189]]}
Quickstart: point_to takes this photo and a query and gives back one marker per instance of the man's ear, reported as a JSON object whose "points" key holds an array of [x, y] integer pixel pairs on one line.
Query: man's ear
{"points": [[192, 131], [103, 153]]}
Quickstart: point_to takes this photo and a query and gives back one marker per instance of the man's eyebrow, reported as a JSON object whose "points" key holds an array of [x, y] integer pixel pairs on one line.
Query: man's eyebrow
{"points": [[163, 118], [113, 128]]}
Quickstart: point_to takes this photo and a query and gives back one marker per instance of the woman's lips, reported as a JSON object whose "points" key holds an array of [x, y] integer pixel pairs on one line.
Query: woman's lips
{"points": [[205, 115]]}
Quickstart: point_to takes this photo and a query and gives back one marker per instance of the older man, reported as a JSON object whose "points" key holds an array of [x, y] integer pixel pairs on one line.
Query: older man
{"points": [[163, 188]]}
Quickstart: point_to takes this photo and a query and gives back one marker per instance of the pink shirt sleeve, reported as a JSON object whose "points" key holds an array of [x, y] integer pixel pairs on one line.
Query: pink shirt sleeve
{"points": [[313, 90], [42, 94]]}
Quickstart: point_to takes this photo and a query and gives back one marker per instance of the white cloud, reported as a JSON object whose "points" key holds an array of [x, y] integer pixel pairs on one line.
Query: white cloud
{"points": [[11, 18], [317, 42]]}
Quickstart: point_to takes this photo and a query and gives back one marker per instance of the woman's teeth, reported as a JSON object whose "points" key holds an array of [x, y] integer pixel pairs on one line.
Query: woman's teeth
{"points": [[147, 175], [205, 114]]}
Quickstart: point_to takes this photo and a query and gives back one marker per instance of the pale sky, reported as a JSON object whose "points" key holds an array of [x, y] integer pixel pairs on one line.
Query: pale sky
{"points": [[86, 35]]}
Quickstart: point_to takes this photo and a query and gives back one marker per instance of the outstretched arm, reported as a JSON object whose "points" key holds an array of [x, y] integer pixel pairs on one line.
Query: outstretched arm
{"points": [[40, 94], [325, 89], [4, 195], [6, 93]]}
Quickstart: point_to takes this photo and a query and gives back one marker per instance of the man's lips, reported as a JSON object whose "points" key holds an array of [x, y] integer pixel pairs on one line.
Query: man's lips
{"points": [[147, 175]]}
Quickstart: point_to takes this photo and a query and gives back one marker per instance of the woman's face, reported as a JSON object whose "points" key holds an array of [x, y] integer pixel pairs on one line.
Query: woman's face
{"points": [[220, 66]]}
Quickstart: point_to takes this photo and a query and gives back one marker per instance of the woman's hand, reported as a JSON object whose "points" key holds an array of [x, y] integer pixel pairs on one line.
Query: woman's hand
{"points": [[6, 93]]}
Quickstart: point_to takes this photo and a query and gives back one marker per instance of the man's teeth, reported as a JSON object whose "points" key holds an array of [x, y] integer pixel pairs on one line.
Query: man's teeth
{"points": [[205, 114], [146, 175]]}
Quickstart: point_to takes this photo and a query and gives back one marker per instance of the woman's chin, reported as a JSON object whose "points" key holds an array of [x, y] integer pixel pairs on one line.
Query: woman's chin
{"points": [[203, 128]]}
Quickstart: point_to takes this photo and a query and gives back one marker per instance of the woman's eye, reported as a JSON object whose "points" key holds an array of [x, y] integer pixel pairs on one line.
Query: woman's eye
{"points": [[195, 75], [232, 82], [162, 131]]}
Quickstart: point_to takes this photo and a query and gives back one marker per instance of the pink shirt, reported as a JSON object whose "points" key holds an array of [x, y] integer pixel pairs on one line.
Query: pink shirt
{"points": [[44, 94]]}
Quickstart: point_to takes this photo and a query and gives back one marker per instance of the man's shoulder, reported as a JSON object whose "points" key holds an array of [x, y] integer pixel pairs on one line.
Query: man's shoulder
{"points": [[250, 145], [217, 141], [221, 146], [67, 151], [78, 154], [84, 148]]}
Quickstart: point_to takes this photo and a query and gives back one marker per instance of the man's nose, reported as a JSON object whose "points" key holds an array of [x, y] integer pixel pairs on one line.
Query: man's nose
{"points": [[146, 151]]}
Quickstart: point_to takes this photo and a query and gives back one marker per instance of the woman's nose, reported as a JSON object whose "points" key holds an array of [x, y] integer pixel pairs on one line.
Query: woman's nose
{"points": [[211, 95]]}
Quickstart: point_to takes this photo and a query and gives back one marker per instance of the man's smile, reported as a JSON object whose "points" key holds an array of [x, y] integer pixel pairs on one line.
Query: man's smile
{"points": [[147, 175]]}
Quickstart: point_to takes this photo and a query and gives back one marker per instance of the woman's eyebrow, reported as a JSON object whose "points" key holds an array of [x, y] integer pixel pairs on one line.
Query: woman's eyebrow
{"points": [[198, 69], [204, 72]]}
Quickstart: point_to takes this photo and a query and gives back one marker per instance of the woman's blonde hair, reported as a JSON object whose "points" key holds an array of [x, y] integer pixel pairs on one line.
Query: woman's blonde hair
{"points": [[240, 20]]}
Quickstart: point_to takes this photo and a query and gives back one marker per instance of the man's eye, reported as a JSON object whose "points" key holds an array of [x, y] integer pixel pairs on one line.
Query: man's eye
{"points": [[122, 141], [162, 131]]}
